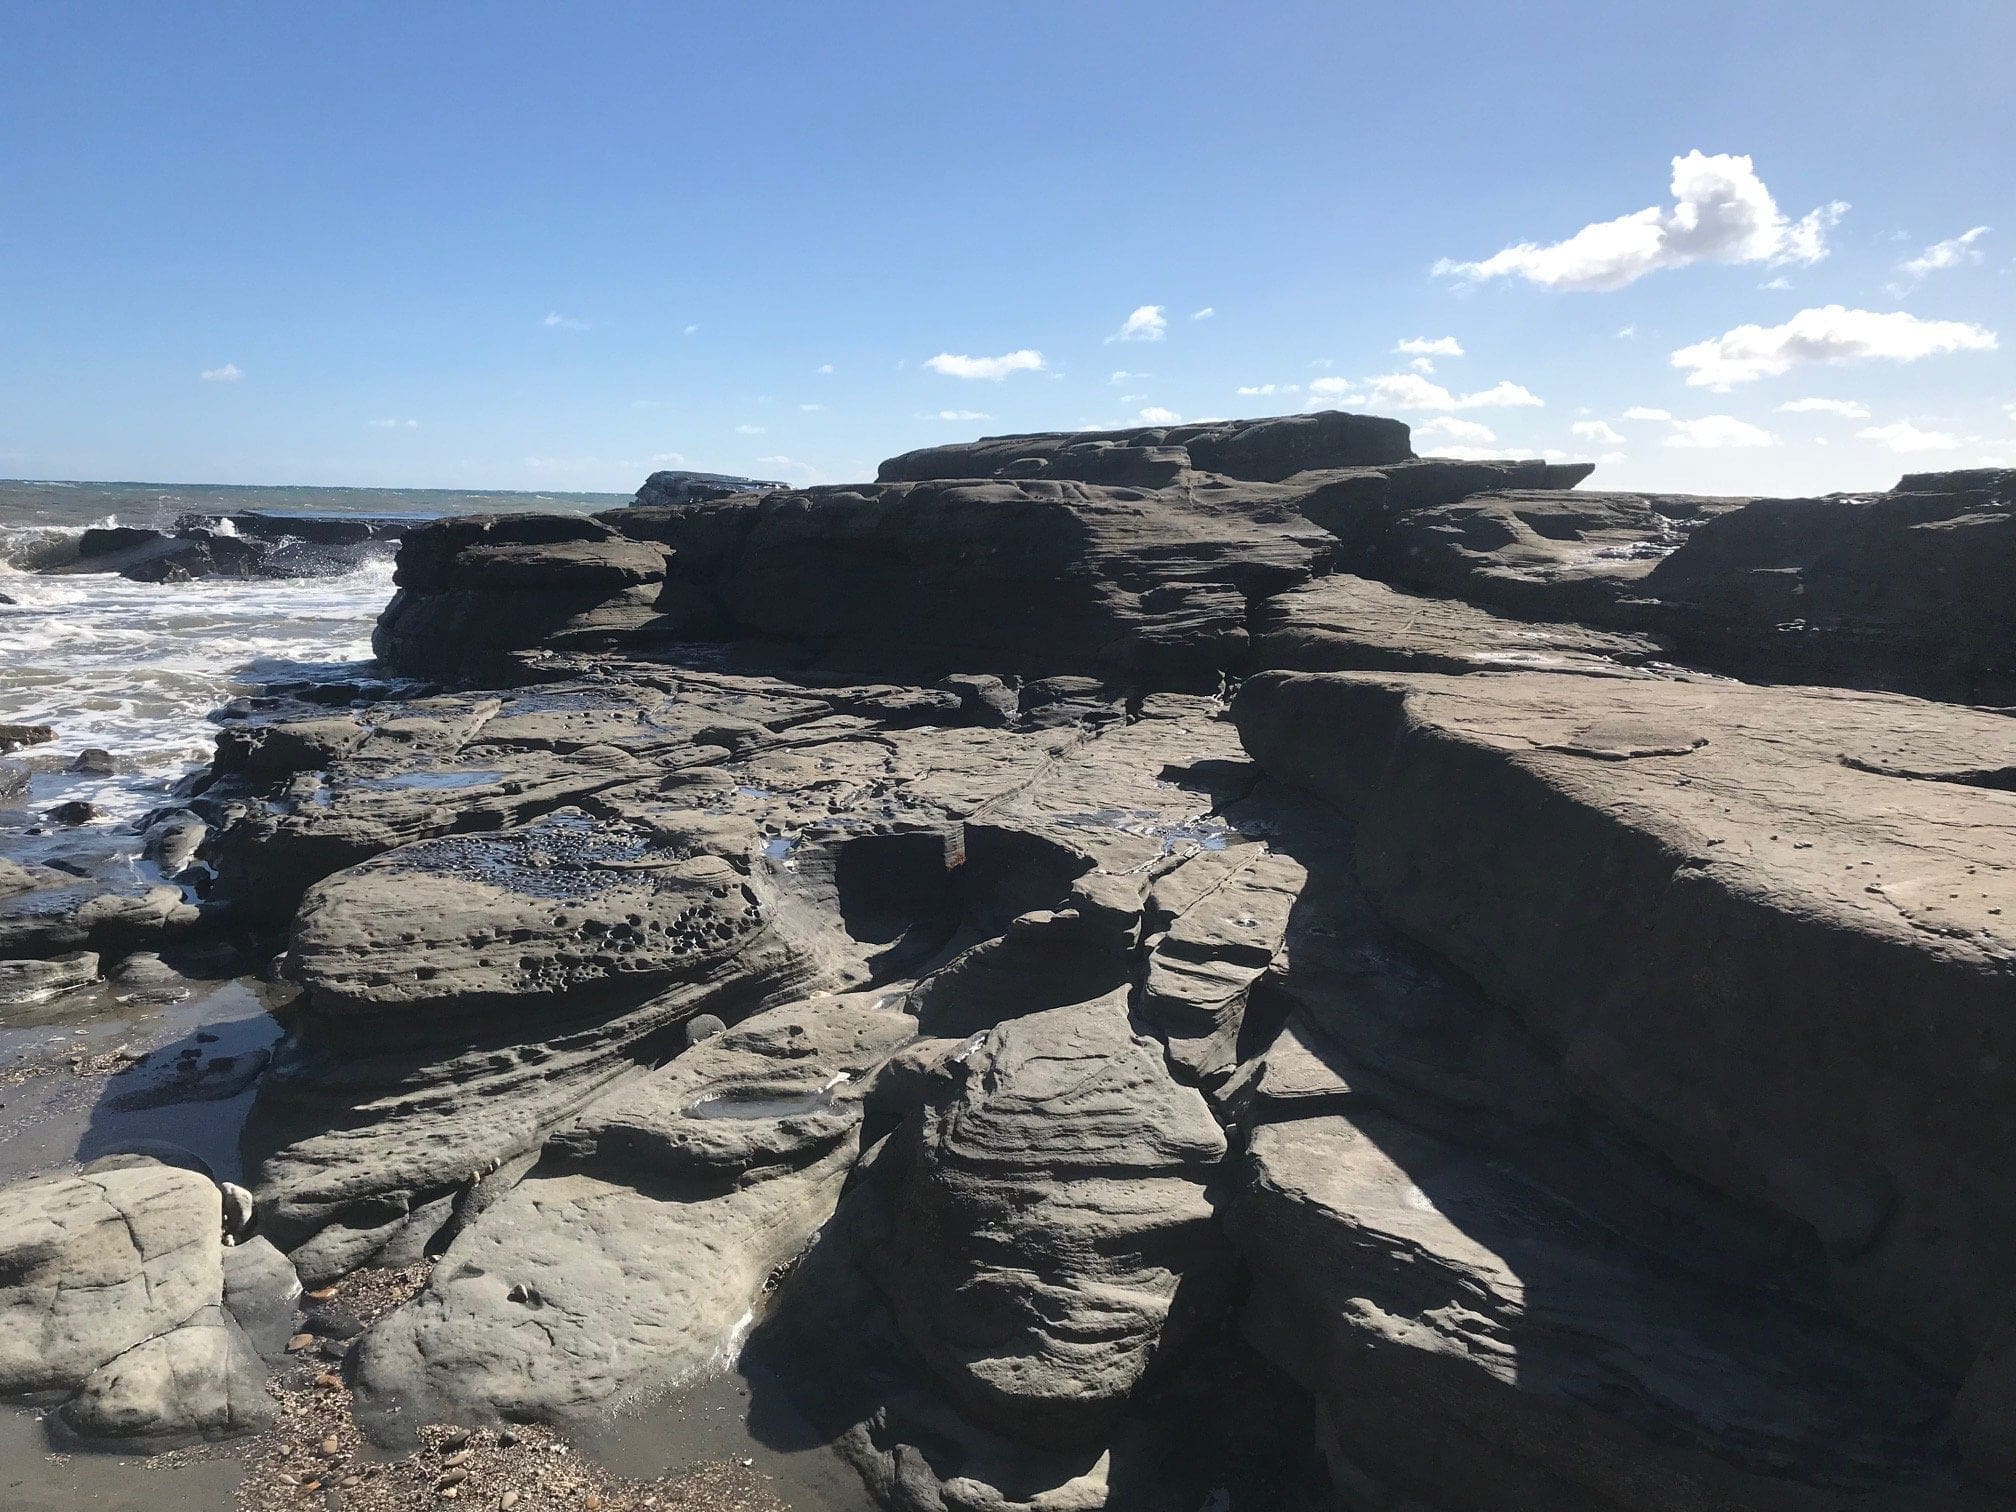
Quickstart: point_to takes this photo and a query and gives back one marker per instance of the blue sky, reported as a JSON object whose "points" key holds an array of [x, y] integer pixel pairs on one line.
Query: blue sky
{"points": [[555, 247]]}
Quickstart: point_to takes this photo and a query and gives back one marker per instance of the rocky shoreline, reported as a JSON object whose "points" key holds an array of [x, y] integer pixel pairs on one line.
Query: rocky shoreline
{"points": [[1215, 966]]}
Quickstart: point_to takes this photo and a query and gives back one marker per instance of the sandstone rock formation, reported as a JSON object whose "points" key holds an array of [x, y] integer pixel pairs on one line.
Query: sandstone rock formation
{"points": [[112, 1296], [1222, 965]]}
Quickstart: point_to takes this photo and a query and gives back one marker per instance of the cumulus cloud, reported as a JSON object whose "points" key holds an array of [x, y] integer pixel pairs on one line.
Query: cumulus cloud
{"points": [[1906, 437], [1333, 391], [1599, 431], [1430, 346], [824, 370], [791, 470], [1645, 412], [1847, 409], [1717, 433], [1950, 253], [748, 430], [1123, 376], [689, 330], [1410, 391], [1264, 390], [555, 321], [1147, 323], [1721, 212], [395, 425], [1626, 332], [1155, 414], [1204, 314], [228, 373], [957, 415], [993, 369], [1829, 333], [1449, 428], [668, 459]]}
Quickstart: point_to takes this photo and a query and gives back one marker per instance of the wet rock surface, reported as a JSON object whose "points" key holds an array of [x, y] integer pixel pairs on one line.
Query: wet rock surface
{"points": [[1210, 966]]}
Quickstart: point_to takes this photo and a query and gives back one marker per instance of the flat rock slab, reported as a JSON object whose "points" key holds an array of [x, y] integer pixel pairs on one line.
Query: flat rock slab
{"points": [[1772, 931], [1541, 554], [1478, 1337], [567, 902], [1343, 623]]}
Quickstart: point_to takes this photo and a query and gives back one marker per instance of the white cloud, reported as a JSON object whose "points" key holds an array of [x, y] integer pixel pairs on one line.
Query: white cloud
{"points": [[689, 330], [957, 415], [1644, 412], [1775, 285], [1718, 432], [1154, 414], [791, 471], [1147, 323], [1626, 332], [1600, 431], [1123, 376], [1422, 364], [555, 321], [1412, 391], [668, 459], [1333, 391], [825, 369], [1430, 346], [1204, 314], [1721, 213], [748, 430], [1946, 254], [1829, 333], [1463, 452], [226, 374], [567, 464], [811, 409], [1906, 437], [395, 425], [1263, 390], [1847, 409], [993, 369], [1449, 428]]}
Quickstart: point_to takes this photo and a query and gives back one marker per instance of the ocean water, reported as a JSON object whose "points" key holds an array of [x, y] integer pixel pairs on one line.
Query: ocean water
{"points": [[135, 669]]}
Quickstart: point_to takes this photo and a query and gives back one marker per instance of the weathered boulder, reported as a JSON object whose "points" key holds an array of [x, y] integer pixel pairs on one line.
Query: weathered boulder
{"points": [[630, 1260], [111, 1291], [167, 556], [1050, 1235]]}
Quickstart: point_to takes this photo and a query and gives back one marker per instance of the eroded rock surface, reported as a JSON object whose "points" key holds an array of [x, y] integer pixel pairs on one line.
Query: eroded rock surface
{"points": [[1506, 1062], [111, 1293]]}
